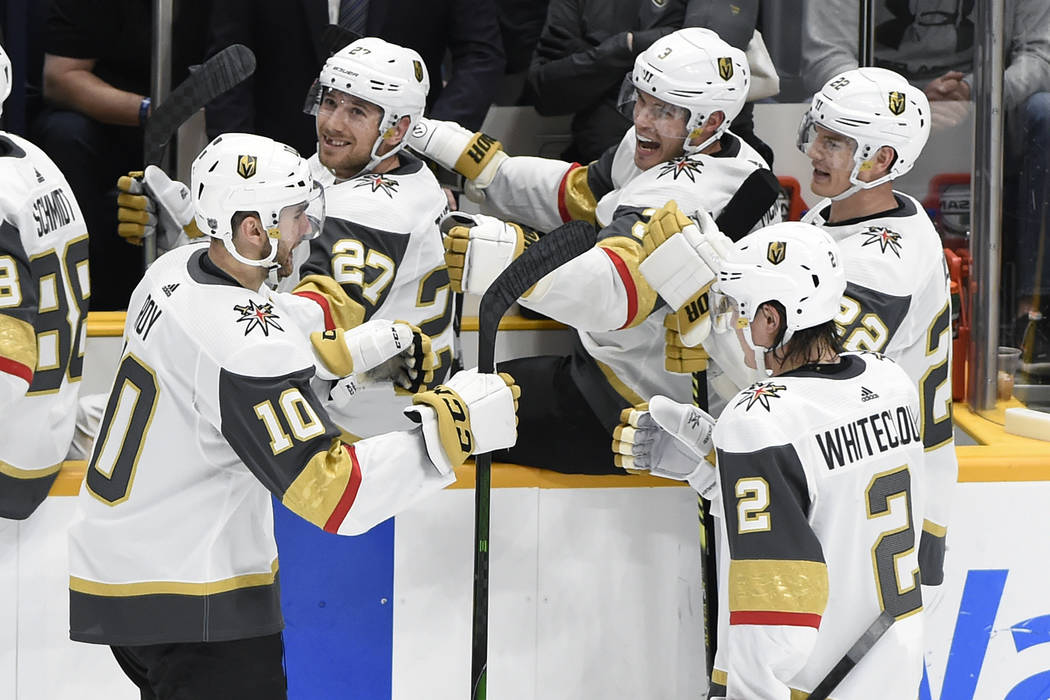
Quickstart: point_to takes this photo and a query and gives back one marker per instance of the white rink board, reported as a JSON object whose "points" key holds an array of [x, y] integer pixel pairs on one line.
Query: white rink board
{"points": [[594, 595]]}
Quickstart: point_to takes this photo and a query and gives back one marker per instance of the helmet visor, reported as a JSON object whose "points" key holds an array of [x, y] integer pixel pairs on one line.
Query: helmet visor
{"points": [[820, 143], [667, 120], [725, 313], [303, 221]]}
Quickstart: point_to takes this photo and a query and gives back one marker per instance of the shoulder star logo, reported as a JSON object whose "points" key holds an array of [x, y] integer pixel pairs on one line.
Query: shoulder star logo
{"points": [[258, 316], [681, 166], [760, 393], [887, 239], [378, 182]]}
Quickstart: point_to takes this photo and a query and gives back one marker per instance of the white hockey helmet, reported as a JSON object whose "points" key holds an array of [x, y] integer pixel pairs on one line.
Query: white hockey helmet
{"points": [[694, 69], [249, 173], [392, 77], [875, 107], [793, 263], [6, 77]]}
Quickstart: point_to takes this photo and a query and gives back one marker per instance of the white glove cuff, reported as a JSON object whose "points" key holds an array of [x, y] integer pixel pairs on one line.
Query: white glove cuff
{"points": [[491, 405], [427, 418], [493, 245], [376, 341], [676, 271], [441, 141]]}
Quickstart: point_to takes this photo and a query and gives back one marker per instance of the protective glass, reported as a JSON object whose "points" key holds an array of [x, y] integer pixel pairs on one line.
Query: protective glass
{"points": [[820, 143], [303, 221], [668, 120]]}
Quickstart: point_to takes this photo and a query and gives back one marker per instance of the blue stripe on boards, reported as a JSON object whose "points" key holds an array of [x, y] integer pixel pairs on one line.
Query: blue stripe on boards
{"points": [[337, 599]]}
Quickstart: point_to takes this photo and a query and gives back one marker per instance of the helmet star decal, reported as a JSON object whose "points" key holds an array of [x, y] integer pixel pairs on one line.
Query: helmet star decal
{"points": [[887, 239], [378, 182], [681, 166], [258, 316], [760, 393]]}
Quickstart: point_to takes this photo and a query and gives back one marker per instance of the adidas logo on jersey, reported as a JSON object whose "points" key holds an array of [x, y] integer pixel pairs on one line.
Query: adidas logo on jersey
{"points": [[169, 288], [867, 394]]}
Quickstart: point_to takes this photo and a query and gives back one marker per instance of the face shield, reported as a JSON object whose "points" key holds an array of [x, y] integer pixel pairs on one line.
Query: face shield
{"points": [[833, 150], [668, 121], [725, 313], [301, 221]]}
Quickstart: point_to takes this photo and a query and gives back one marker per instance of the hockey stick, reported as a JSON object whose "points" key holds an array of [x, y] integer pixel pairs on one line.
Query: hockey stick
{"points": [[335, 38], [215, 76], [759, 192], [861, 647], [540, 258]]}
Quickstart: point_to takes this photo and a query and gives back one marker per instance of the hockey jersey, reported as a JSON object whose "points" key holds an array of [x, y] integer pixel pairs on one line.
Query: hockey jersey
{"points": [[897, 302], [818, 472], [210, 413], [381, 242], [44, 291], [619, 355]]}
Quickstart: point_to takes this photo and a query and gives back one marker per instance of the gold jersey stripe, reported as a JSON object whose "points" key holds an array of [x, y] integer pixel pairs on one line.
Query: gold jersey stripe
{"points": [[578, 200], [346, 313], [127, 590], [18, 473], [629, 251], [616, 383], [776, 585], [18, 341], [317, 490], [934, 529]]}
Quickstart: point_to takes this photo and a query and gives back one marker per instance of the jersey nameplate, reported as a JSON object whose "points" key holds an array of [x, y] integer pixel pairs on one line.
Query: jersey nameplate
{"points": [[52, 211], [148, 315]]}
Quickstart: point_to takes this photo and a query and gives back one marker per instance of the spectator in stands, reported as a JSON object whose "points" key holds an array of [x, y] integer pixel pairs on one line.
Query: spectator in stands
{"points": [[587, 48], [466, 29], [931, 42], [96, 85]]}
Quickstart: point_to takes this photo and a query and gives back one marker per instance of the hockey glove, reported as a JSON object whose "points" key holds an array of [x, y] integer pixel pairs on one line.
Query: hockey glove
{"points": [[149, 198], [472, 414], [479, 249], [340, 353], [667, 439], [475, 156], [682, 256], [679, 358]]}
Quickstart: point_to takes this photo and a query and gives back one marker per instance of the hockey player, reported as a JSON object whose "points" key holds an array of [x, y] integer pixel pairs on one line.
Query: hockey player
{"points": [[380, 240], [819, 467], [44, 290], [173, 561], [383, 206], [684, 91], [865, 128]]}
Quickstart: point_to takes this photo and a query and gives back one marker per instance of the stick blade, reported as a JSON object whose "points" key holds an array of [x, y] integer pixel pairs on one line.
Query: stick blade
{"points": [[212, 78], [544, 256]]}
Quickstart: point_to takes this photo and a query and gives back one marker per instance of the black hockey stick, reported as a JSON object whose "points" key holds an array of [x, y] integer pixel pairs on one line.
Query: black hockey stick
{"points": [[758, 193], [853, 656], [540, 258], [215, 76], [335, 38]]}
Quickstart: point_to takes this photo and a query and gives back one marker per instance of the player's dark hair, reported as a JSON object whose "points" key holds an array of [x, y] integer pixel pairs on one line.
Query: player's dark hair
{"points": [[806, 343], [238, 218]]}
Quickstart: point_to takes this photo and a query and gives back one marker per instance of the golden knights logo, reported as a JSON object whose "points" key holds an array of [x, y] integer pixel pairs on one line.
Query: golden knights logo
{"points": [[725, 68], [246, 166], [259, 316], [377, 182], [897, 102], [681, 166], [887, 239], [775, 252], [417, 69], [760, 393]]}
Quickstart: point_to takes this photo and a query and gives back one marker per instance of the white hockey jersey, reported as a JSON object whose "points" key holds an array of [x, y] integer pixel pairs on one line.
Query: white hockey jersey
{"points": [[818, 472], [897, 302], [381, 242], [619, 356], [211, 411], [44, 291]]}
